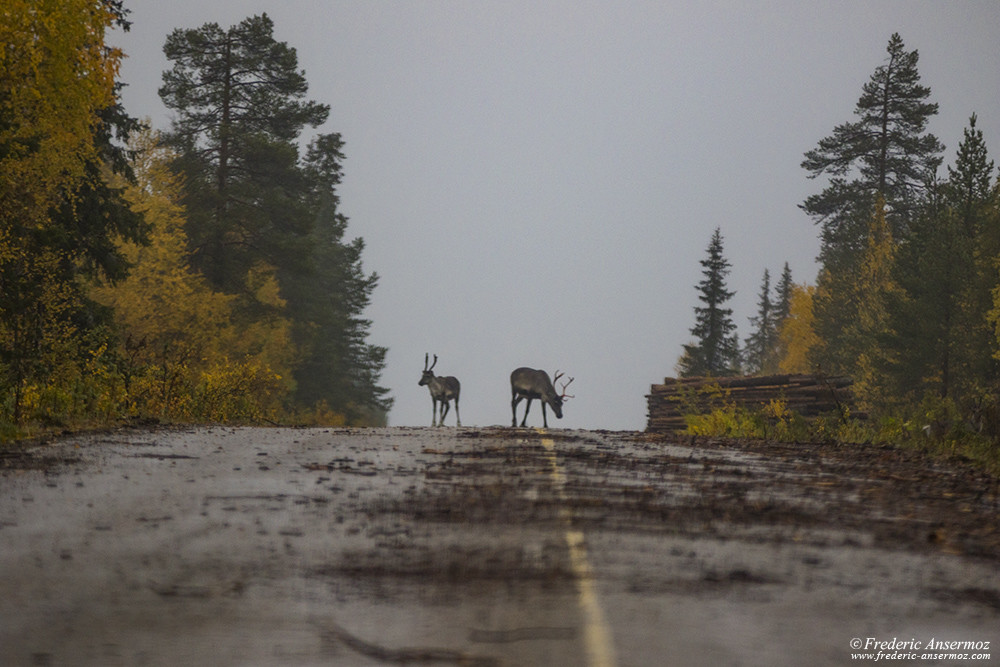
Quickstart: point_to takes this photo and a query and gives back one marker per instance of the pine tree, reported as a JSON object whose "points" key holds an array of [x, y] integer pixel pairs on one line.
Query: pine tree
{"points": [[884, 155], [885, 152], [716, 351], [238, 99], [257, 208]]}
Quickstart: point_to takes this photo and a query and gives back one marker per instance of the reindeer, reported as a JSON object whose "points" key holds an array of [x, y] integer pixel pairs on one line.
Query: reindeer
{"points": [[442, 389], [529, 383]]}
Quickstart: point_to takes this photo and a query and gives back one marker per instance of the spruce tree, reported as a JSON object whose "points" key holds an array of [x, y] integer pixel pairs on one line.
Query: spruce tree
{"points": [[716, 351], [973, 195], [328, 293], [948, 272], [783, 295], [759, 349], [970, 180]]}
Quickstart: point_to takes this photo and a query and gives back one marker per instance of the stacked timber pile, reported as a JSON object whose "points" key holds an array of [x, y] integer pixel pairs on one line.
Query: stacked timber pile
{"points": [[807, 395]]}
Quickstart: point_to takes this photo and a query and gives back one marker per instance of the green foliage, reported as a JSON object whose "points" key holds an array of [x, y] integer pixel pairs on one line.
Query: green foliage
{"points": [[760, 350], [941, 328], [204, 293], [905, 300], [238, 96], [327, 293], [716, 350], [61, 219], [254, 203], [885, 153], [725, 418]]}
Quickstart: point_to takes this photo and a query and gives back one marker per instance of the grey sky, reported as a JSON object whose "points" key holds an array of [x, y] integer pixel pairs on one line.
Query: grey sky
{"points": [[537, 181]]}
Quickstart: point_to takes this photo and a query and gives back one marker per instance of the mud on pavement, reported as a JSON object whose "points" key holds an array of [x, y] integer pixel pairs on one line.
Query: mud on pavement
{"points": [[490, 546]]}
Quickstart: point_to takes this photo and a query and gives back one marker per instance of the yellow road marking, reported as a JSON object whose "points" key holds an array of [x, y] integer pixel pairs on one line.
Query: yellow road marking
{"points": [[596, 636]]}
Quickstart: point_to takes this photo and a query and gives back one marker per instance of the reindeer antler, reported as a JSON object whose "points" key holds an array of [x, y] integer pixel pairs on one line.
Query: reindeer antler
{"points": [[434, 364], [427, 357], [565, 384]]}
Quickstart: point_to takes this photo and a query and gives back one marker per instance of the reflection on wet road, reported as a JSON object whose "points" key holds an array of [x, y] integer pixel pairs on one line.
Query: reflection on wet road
{"points": [[489, 546], [597, 638]]}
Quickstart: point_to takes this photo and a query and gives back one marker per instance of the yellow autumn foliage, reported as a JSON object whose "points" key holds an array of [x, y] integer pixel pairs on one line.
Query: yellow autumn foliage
{"points": [[797, 335], [56, 74], [874, 287], [185, 357]]}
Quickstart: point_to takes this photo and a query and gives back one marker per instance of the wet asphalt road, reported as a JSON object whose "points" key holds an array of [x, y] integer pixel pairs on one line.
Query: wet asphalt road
{"points": [[494, 546]]}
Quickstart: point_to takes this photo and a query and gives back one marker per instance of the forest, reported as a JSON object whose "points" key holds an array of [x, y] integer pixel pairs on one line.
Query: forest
{"points": [[907, 299], [204, 273], [196, 273]]}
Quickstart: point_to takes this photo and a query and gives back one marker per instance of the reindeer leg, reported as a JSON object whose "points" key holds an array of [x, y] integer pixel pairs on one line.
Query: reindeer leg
{"points": [[458, 417], [515, 399], [524, 422], [434, 411], [444, 410], [545, 421]]}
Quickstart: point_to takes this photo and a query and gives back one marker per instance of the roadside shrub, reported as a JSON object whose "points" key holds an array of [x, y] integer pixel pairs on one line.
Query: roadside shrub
{"points": [[95, 392], [772, 420], [238, 392], [89, 391], [728, 421], [320, 415], [934, 426]]}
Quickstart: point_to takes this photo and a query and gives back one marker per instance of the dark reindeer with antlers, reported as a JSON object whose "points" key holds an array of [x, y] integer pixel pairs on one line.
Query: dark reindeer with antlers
{"points": [[530, 384], [442, 389]]}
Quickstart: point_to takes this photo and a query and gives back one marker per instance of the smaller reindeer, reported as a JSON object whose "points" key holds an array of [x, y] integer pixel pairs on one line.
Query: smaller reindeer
{"points": [[442, 389], [530, 384]]}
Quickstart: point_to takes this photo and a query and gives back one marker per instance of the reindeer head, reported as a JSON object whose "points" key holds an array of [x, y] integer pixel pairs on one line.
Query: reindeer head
{"points": [[428, 373], [557, 403]]}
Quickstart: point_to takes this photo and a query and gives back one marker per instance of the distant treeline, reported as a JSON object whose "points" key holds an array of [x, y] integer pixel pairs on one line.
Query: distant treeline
{"points": [[907, 300], [201, 273]]}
